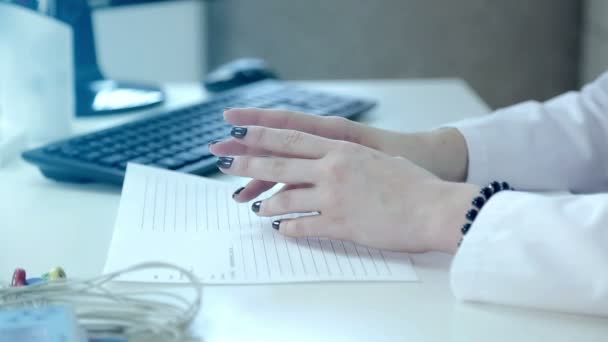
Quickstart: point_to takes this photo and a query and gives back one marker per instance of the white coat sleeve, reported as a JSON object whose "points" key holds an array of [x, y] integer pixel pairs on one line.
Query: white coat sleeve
{"points": [[546, 252], [561, 144]]}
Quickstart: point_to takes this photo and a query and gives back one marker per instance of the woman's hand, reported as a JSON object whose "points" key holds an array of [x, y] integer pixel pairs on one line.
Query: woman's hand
{"points": [[361, 194], [442, 152]]}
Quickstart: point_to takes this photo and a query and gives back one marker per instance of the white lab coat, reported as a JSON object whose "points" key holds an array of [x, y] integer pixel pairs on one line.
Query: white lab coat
{"points": [[527, 249]]}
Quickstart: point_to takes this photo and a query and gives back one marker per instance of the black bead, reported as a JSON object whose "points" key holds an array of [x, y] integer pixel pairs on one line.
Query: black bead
{"points": [[471, 214], [506, 186], [487, 192], [496, 187], [465, 228], [478, 202]]}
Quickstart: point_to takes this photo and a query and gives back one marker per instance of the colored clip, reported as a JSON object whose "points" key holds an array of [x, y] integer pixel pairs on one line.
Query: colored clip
{"points": [[18, 278], [33, 281], [55, 273]]}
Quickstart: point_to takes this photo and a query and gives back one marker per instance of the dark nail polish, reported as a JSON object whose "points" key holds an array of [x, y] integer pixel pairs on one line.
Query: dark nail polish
{"points": [[276, 224], [224, 162], [228, 108], [238, 191], [256, 206], [213, 142], [238, 132]]}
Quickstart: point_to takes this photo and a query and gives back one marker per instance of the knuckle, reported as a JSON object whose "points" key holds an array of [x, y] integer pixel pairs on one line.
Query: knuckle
{"points": [[284, 201], [336, 167], [346, 148], [291, 138], [277, 204], [289, 228], [260, 135], [332, 198], [278, 166], [336, 121], [243, 165], [339, 221]]}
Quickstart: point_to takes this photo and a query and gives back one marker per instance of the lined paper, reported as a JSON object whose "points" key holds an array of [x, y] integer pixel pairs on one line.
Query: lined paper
{"points": [[193, 222]]}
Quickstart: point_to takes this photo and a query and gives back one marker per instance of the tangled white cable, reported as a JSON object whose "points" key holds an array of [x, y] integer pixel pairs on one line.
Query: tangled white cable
{"points": [[102, 305]]}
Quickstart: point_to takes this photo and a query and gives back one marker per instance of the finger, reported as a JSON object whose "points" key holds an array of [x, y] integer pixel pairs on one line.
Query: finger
{"points": [[252, 190], [305, 226], [233, 147], [289, 202], [290, 142], [326, 126], [271, 169]]}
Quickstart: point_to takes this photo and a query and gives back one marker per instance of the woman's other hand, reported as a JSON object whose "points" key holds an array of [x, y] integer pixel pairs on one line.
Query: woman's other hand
{"points": [[442, 152]]}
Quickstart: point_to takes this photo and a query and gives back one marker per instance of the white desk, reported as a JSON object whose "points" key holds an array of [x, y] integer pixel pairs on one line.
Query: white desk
{"points": [[44, 223]]}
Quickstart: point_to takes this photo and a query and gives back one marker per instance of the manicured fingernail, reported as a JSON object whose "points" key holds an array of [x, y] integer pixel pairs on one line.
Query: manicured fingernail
{"points": [[227, 108], [212, 142], [256, 206], [224, 162], [238, 191], [238, 132], [276, 224]]}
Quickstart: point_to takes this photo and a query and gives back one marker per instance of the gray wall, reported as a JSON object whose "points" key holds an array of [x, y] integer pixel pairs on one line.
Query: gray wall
{"points": [[594, 59], [507, 50]]}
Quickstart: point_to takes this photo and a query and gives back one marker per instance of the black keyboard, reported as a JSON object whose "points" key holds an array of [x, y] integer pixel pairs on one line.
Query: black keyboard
{"points": [[178, 139]]}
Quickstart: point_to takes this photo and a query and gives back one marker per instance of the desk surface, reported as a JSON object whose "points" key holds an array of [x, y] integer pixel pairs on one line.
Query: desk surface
{"points": [[44, 223]]}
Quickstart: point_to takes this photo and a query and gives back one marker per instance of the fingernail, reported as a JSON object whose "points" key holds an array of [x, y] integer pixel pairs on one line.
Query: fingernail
{"points": [[256, 206], [227, 108], [212, 142], [276, 224], [238, 132], [238, 191], [224, 162]]}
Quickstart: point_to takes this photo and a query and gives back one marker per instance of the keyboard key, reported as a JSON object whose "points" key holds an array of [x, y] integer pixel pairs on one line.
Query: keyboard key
{"points": [[174, 149], [107, 150], [52, 149], [130, 153], [190, 157], [91, 156], [69, 151], [113, 159], [140, 160], [143, 149], [201, 151], [171, 163], [153, 156], [164, 151]]}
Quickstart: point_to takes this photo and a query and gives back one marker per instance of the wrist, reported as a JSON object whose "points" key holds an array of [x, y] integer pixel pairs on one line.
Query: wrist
{"points": [[416, 147], [447, 214], [448, 154], [442, 152]]}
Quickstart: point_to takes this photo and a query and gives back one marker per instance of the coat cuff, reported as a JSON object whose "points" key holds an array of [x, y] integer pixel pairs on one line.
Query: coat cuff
{"points": [[470, 266], [486, 151]]}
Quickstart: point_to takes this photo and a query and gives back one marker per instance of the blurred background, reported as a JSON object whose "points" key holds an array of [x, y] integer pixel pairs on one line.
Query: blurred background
{"points": [[508, 51]]}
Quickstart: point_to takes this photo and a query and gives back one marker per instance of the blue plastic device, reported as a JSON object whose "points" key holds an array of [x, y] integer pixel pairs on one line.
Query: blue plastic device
{"points": [[46, 324]]}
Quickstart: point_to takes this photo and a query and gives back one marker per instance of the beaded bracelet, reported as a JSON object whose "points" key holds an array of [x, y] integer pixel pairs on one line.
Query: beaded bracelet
{"points": [[479, 201]]}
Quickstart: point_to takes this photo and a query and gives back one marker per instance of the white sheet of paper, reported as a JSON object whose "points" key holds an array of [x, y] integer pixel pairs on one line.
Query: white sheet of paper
{"points": [[193, 222]]}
